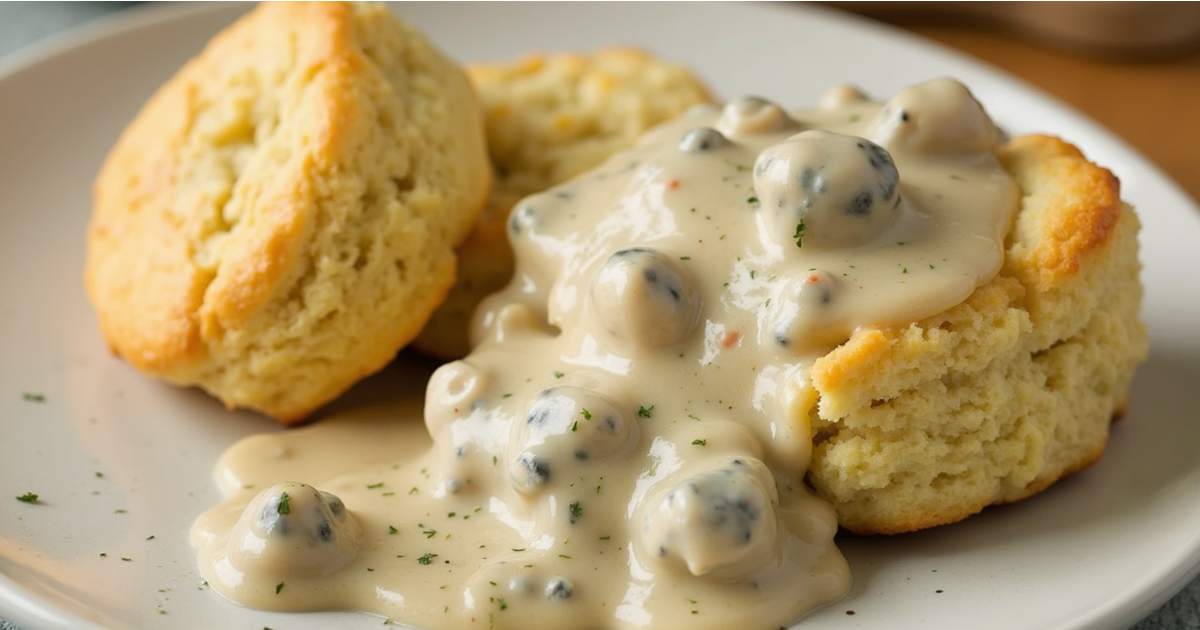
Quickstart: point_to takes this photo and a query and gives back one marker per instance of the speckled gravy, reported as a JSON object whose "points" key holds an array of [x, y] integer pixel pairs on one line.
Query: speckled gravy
{"points": [[626, 446]]}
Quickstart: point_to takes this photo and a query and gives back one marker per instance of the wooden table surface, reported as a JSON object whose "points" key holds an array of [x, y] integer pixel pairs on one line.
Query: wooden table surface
{"points": [[1153, 104]]}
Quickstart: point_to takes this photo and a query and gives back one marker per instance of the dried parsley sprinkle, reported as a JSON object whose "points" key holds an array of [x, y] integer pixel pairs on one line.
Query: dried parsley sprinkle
{"points": [[429, 533], [285, 504], [427, 558], [557, 374], [33, 397], [372, 486], [644, 412], [28, 497], [392, 530], [576, 510], [278, 587], [587, 415], [699, 442], [799, 235]]}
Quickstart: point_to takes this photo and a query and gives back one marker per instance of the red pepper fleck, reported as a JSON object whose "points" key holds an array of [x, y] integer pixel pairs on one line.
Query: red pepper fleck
{"points": [[813, 279], [673, 184], [731, 339]]}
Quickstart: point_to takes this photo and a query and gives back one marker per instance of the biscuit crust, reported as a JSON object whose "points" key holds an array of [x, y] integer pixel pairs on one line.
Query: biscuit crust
{"points": [[550, 117], [280, 218], [995, 399]]}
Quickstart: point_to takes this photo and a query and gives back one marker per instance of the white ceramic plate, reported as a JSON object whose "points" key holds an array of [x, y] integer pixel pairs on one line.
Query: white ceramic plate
{"points": [[1099, 550]]}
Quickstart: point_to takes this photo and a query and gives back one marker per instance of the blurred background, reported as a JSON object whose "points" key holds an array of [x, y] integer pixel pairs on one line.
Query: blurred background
{"points": [[1132, 66]]}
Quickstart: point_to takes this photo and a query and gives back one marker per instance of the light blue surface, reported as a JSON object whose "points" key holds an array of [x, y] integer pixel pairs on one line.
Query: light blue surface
{"points": [[23, 23]]}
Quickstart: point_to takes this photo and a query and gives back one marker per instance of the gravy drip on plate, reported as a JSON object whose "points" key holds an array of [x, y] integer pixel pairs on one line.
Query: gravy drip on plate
{"points": [[626, 446]]}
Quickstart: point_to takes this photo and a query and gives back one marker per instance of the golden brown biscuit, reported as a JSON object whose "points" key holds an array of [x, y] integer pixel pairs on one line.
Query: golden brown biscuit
{"points": [[281, 216], [549, 118], [998, 397]]}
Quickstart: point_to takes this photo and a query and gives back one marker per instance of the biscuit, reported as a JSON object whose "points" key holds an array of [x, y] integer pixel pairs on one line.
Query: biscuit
{"points": [[281, 216], [549, 118], [995, 399]]}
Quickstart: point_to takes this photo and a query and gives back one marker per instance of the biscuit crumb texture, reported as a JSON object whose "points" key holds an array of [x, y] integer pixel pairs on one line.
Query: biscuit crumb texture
{"points": [[997, 398], [281, 217], [549, 118]]}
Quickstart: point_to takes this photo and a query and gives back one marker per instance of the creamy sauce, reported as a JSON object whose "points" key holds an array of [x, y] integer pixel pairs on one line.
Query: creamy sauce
{"points": [[626, 446]]}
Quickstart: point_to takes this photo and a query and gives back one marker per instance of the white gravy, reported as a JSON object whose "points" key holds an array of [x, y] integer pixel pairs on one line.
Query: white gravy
{"points": [[626, 446]]}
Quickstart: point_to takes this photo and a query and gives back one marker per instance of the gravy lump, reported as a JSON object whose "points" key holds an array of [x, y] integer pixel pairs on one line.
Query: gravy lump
{"points": [[626, 445]]}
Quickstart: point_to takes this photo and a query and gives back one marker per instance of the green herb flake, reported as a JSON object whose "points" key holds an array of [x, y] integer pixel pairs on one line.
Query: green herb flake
{"points": [[123, 559], [279, 587], [33, 397], [574, 426], [285, 504], [150, 537], [693, 416], [699, 442], [587, 415], [99, 475], [372, 486], [752, 200], [429, 533], [392, 531], [685, 258], [28, 497], [799, 235], [557, 374], [645, 412], [576, 510], [427, 558]]}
